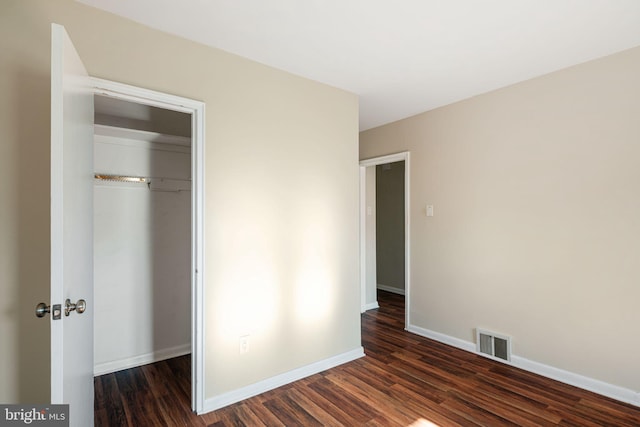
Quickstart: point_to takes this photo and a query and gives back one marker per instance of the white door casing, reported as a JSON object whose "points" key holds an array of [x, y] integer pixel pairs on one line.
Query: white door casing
{"points": [[197, 110], [71, 228], [403, 156]]}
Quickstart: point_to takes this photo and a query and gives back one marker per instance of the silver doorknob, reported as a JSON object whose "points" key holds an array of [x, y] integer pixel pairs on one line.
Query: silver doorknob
{"points": [[79, 307], [42, 309]]}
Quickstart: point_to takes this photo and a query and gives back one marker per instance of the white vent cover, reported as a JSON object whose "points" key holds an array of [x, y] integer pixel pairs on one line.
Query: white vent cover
{"points": [[494, 345]]}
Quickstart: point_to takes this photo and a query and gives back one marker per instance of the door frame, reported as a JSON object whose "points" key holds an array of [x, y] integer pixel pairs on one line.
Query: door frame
{"points": [[364, 164], [197, 110]]}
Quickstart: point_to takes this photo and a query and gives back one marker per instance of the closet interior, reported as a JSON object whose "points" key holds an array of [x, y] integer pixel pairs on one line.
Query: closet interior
{"points": [[142, 234]]}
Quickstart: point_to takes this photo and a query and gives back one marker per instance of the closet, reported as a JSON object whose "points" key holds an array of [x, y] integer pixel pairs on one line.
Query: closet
{"points": [[142, 234]]}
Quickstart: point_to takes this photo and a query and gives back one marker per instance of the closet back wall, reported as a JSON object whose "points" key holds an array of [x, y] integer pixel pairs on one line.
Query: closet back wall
{"points": [[142, 250]]}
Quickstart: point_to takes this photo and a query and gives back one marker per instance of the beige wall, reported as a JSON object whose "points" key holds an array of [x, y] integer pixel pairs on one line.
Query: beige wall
{"points": [[281, 195], [536, 231], [390, 226]]}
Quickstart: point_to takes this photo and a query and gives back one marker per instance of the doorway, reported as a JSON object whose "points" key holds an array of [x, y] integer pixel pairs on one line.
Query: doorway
{"points": [[142, 212], [150, 200], [389, 219], [398, 282]]}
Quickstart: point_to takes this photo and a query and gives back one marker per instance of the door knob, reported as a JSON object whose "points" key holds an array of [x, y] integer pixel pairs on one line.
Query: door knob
{"points": [[42, 309], [79, 307]]}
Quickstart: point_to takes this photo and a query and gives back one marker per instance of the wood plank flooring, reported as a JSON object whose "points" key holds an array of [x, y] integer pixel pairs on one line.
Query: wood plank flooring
{"points": [[405, 380]]}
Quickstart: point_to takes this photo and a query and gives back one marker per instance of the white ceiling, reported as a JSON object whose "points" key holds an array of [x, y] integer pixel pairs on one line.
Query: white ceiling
{"points": [[401, 57]]}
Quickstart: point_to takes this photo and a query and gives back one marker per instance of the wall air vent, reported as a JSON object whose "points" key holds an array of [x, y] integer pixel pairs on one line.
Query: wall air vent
{"points": [[494, 345]]}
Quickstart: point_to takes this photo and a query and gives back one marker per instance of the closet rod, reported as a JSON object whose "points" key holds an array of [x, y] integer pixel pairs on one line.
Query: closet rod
{"points": [[121, 178]]}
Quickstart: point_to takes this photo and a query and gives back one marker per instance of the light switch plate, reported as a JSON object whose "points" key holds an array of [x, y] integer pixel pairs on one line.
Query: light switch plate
{"points": [[429, 210]]}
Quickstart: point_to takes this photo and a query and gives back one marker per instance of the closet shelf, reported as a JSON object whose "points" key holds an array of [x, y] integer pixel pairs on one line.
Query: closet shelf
{"points": [[141, 135]]}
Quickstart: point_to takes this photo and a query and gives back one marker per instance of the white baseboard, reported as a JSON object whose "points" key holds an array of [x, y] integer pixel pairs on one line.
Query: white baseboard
{"points": [[446, 339], [596, 386], [371, 306], [232, 397], [391, 289], [142, 359], [613, 391]]}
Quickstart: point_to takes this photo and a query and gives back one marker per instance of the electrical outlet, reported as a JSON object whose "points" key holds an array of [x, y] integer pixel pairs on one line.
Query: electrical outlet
{"points": [[244, 344]]}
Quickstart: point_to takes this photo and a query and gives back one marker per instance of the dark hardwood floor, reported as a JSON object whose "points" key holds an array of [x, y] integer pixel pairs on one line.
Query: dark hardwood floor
{"points": [[405, 380]]}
